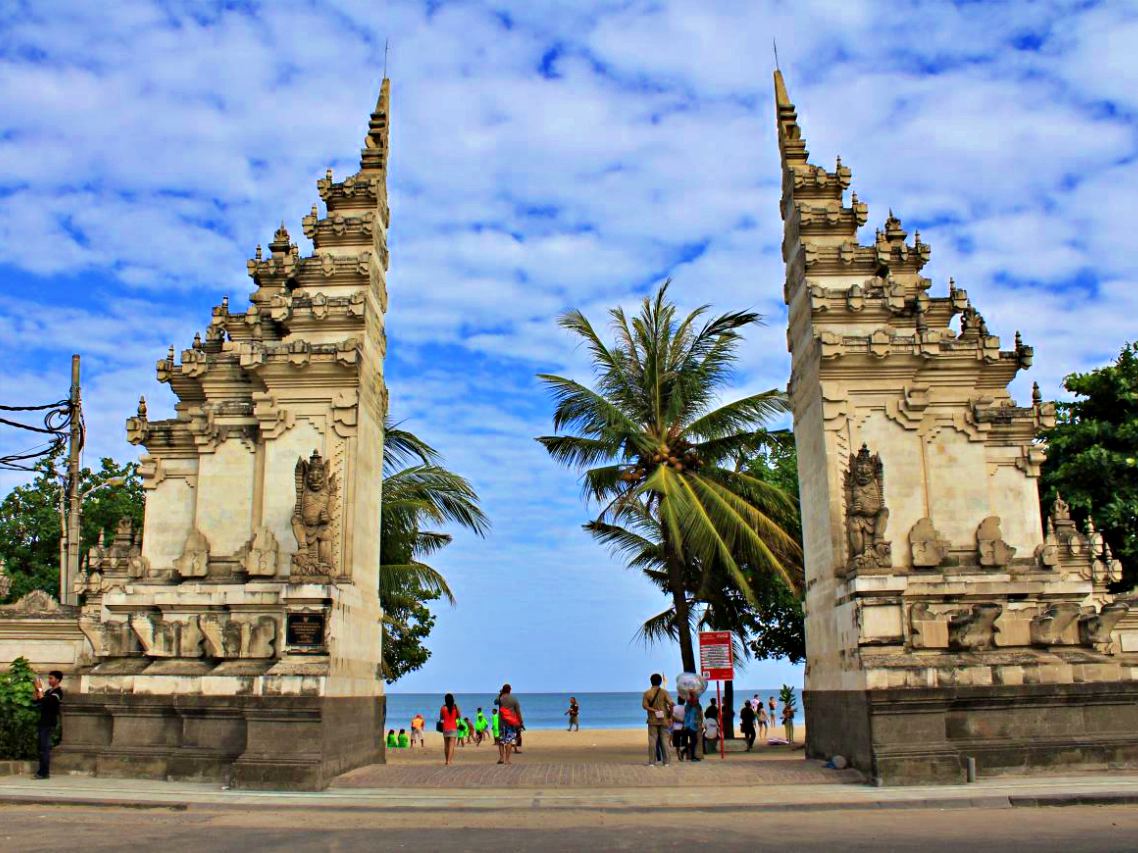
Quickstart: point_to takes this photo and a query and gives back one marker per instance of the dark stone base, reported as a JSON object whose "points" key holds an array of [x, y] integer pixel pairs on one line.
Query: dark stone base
{"points": [[924, 736], [269, 742]]}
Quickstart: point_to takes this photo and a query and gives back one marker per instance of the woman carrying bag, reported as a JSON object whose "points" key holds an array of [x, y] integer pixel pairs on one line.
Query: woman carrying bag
{"points": [[448, 724]]}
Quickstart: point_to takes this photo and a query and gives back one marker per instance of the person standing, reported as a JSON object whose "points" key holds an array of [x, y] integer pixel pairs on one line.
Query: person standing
{"points": [[496, 727], [658, 704], [481, 724], [510, 723], [747, 724], [449, 715], [678, 730], [693, 725], [762, 720], [772, 715], [574, 714], [417, 731], [50, 704]]}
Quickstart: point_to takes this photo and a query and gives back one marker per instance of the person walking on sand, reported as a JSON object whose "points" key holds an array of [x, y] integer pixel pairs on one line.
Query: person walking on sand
{"points": [[747, 724], [417, 731], [50, 704], [574, 714], [658, 704], [449, 715], [510, 723]]}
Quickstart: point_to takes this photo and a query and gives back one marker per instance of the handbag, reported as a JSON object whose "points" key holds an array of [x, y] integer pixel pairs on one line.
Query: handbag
{"points": [[509, 717], [439, 726]]}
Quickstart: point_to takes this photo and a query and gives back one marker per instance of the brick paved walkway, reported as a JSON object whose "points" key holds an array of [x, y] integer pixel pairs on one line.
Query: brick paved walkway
{"points": [[520, 774]]}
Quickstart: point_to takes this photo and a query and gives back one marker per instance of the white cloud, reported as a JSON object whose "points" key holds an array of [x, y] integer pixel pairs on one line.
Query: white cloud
{"points": [[146, 148]]}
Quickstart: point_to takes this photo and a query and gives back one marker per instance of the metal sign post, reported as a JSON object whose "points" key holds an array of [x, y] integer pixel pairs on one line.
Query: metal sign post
{"points": [[717, 662]]}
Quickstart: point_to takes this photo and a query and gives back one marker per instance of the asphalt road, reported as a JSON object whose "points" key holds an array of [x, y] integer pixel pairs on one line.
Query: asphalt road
{"points": [[55, 828]]}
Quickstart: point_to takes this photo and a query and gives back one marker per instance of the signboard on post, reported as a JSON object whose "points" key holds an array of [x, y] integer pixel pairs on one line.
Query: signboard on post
{"points": [[716, 661]]}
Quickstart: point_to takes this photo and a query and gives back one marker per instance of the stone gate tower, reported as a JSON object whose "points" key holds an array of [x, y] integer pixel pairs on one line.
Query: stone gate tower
{"points": [[943, 622], [239, 636]]}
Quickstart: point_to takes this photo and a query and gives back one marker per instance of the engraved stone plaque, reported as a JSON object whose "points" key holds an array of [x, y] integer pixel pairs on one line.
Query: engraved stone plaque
{"points": [[306, 632]]}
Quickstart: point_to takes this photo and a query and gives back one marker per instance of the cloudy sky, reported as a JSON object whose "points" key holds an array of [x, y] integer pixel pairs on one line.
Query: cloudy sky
{"points": [[545, 156]]}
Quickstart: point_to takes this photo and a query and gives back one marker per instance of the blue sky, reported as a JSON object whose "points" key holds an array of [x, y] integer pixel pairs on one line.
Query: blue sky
{"points": [[545, 156]]}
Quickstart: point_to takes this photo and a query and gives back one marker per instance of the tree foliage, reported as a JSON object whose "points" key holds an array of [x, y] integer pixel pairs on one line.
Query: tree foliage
{"points": [[418, 493], [1092, 455], [30, 525], [18, 714], [656, 453]]}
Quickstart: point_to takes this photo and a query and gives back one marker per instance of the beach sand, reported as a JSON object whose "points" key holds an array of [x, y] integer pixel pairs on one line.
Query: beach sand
{"points": [[588, 746]]}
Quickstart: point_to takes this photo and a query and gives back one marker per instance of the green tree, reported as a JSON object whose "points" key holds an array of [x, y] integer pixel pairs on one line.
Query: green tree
{"points": [[30, 529], [1092, 455], [418, 492], [656, 455], [18, 714]]}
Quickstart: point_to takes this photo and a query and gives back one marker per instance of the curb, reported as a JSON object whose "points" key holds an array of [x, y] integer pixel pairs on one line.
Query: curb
{"points": [[996, 801]]}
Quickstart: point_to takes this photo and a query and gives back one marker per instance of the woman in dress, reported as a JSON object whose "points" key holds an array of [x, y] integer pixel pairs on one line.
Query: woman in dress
{"points": [[449, 715]]}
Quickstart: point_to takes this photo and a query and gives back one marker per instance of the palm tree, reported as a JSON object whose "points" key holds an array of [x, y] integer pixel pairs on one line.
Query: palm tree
{"points": [[656, 455], [417, 492]]}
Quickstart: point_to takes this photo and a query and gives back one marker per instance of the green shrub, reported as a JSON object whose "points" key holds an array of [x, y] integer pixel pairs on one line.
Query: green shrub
{"points": [[18, 712]]}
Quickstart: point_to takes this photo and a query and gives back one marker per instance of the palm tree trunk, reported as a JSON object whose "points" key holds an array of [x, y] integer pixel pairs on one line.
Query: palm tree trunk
{"points": [[680, 603]]}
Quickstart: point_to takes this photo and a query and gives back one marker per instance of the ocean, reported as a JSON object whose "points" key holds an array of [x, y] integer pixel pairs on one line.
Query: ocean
{"points": [[547, 710]]}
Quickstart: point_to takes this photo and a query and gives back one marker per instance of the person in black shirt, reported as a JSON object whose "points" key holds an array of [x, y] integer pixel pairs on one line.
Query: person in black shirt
{"points": [[50, 703]]}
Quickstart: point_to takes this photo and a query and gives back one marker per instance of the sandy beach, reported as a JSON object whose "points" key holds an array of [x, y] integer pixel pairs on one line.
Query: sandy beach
{"points": [[605, 746]]}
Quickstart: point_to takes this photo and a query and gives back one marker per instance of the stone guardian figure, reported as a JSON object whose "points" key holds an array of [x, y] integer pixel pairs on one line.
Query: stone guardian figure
{"points": [[866, 515], [312, 517]]}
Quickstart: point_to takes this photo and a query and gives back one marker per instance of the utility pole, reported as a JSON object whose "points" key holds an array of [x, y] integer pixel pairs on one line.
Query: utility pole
{"points": [[69, 572]]}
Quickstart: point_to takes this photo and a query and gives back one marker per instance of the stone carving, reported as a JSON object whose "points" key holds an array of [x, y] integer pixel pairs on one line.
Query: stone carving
{"points": [[113, 638], [1048, 627], [35, 603], [194, 562], [1095, 628], [312, 517], [166, 638], [929, 631], [259, 556], [974, 630], [929, 549], [994, 551], [230, 636], [866, 515], [5, 581]]}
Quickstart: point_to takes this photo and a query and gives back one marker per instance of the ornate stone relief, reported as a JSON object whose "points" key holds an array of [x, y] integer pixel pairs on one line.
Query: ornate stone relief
{"points": [[258, 557], [36, 602], [245, 636], [992, 549], [312, 517], [1095, 628], [194, 562], [1048, 627], [866, 514], [113, 638], [928, 548], [167, 638], [974, 630]]}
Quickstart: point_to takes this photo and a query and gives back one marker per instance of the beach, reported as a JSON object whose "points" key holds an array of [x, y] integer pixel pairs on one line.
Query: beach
{"points": [[588, 746]]}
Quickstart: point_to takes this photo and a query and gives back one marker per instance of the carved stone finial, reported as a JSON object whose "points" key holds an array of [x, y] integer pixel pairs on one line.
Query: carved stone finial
{"points": [[1019, 340], [994, 552], [312, 517], [197, 340], [328, 174], [928, 548], [142, 408], [1036, 395], [1060, 511], [225, 302], [260, 253], [866, 515], [170, 355]]}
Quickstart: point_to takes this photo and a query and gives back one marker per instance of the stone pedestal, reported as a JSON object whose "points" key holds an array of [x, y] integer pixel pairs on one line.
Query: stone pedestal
{"points": [[269, 742], [915, 736]]}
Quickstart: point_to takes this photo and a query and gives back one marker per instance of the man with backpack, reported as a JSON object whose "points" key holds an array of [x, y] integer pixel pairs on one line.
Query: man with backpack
{"points": [[658, 704]]}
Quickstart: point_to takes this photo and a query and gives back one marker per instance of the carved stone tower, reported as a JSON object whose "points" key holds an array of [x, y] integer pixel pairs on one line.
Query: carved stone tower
{"points": [[942, 622], [241, 638]]}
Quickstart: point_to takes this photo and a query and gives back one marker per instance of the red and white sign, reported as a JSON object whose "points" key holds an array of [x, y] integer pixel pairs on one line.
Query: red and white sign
{"points": [[716, 661]]}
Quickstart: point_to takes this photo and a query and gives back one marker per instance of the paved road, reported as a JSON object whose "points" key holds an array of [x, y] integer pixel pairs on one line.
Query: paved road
{"points": [[591, 775], [52, 828]]}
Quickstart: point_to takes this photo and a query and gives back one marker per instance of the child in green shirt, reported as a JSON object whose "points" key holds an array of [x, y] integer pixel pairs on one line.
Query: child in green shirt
{"points": [[403, 740], [392, 742]]}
